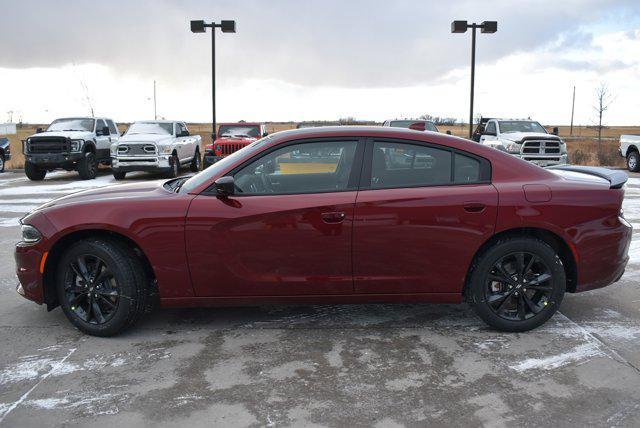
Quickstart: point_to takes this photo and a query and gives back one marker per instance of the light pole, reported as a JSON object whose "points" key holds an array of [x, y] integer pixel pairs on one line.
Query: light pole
{"points": [[485, 27], [226, 27]]}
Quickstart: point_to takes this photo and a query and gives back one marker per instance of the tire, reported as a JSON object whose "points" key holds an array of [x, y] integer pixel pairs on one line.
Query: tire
{"points": [[88, 167], [120, 298], [2, 162], [33, 172], [119, 175], [633, 161], [499, 303], [174, 169], [196, 162]]}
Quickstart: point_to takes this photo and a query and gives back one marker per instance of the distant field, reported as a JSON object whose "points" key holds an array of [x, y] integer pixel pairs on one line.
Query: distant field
{"points": [[583, 149]]}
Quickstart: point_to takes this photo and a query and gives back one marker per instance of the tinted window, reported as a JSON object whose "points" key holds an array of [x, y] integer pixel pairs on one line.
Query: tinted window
{"points": [[299, 168], [100, 124], [491, 128], [112, 127], [407, 165], [239, 131], [466, 169]]}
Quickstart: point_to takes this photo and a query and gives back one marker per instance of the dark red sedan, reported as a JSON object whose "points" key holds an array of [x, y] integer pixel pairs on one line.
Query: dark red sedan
{"points": [[333, 215]]}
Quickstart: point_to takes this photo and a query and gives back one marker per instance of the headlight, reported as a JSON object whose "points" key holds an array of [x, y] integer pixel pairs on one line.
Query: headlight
{"points": [[166, 150], [512, 147], [76, 145], [563, 147], [218, 148], [114, 149], [30, 234]]}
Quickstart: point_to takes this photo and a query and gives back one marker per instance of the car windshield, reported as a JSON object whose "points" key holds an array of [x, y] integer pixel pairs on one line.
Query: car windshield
{"points": [[159, 128], [407, 123], [207, 174], [78, 124], [239, 131], [507, 126]]}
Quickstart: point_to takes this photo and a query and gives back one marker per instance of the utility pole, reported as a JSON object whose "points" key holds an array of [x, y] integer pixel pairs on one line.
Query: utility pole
{"points": [[573, 105], [155, 111]]}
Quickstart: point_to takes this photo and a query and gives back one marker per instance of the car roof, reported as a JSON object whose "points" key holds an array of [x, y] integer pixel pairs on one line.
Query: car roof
{"points": [[158, 121]]}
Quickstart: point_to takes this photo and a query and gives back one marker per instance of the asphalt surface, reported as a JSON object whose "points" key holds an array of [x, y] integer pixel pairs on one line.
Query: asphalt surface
{"points": [[329, 365]]}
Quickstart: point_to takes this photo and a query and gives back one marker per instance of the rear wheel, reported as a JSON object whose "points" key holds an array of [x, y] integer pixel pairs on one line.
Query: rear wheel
{"points": [[196, 162], [517, 284], [33, 172], [101, 287], [88, 167], [119, 175], [633, 161]]}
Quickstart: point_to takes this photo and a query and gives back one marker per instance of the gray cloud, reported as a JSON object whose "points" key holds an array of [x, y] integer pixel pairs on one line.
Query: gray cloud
{"points": [[313, 43]]}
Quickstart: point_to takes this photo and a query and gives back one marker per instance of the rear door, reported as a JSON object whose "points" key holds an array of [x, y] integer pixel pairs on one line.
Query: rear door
{"points": [[286, 231], [421, 214]]}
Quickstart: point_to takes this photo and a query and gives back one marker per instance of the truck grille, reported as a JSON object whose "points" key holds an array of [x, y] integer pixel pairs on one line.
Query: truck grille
{"points": [[227, 149], [48, 145], [541, 147], [137, 149]]}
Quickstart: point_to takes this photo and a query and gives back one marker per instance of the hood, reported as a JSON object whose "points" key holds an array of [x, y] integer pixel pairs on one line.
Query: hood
{"points": [[232, 140], [74, 135], [518, 136], [109, 193], [145, 138]]}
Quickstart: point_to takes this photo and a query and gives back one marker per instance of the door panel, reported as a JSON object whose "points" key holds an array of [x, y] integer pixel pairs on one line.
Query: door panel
{"points": [[271, 244], [422, 239]]}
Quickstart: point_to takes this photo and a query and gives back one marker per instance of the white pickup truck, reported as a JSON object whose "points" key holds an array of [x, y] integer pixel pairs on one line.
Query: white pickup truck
{"points": [[526, 139], [156, 146], [629, 145]]}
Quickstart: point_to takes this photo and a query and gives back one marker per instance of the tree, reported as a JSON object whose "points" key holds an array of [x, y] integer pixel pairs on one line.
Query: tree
{"points": [[604, 98]]}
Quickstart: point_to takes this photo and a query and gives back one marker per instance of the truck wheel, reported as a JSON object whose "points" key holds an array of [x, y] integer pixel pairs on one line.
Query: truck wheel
{"points": [[633, 161], [119, 175], [196, 162], [87, 167], [174, 164], [517, 284], [33, 172], [101, 286], [1, 162]]}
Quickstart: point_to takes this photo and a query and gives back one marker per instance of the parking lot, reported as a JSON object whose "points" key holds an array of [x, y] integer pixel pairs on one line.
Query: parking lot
{"points": [[329, 365]]}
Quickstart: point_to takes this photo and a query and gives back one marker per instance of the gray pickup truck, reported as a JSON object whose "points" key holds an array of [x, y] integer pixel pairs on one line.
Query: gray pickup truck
{"points": [[5, 152]]}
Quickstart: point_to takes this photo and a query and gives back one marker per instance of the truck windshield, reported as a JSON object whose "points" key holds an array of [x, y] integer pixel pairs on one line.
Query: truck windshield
{"points": [[507, 126], [239, 131], [78, 124], [218, 167], [407, 123], [159, 128]]}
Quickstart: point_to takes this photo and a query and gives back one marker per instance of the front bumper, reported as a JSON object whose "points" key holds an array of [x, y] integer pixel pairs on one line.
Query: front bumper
{"points": [[210, 159], [545, 160], [54, 160], [28, 260], [148, 164]]}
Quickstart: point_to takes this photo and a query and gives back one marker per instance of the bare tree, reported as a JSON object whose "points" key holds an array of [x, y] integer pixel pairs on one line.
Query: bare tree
{"points": [[87, 97], [604, 98]]}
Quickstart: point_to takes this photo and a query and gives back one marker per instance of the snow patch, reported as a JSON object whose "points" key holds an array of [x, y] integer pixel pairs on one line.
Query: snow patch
{"points": [[580, 354]]}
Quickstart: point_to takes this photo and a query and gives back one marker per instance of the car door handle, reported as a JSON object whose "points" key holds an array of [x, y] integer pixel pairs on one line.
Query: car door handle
{"points": [[474, 207], [333, 217]]}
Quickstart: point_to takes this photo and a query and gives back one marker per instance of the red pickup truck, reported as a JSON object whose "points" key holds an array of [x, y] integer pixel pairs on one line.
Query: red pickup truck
{"points": [[231, 137]]}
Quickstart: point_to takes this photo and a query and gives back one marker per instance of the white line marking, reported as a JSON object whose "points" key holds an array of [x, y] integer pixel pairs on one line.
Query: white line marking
{"points": [[54, 367]]}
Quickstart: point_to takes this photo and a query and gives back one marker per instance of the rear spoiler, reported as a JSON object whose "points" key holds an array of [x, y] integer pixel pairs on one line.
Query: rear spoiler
{"points": [[615, 178]]}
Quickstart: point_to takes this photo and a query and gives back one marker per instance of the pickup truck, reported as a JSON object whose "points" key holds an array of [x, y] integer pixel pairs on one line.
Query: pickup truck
{"points": [[5, 152], [155, 146], [76, 143], [629, 145], [526, 139], [231, 138], [416, 125]]}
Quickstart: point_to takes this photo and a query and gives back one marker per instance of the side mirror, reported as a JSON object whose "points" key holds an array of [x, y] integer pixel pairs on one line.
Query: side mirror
{"points": [[555, 130], [493, 134], [225, 186], [448, 132], [264, 134], [183, 134], [38, 130]]}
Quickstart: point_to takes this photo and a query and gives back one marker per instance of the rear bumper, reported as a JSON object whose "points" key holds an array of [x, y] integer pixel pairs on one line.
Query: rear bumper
{"points": [[603, 258], [54, 160]]}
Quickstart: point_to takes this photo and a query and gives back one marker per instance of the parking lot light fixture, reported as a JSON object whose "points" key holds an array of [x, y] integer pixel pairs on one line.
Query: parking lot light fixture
{"points": [[488, 27], [227, 26]]}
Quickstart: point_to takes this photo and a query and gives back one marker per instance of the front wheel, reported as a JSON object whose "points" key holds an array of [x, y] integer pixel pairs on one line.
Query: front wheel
{"points": [[119, 175], [88, 167], [33, 172], [517, 284], [101, 286], [174, 167], [1, 162], [633, 161]]}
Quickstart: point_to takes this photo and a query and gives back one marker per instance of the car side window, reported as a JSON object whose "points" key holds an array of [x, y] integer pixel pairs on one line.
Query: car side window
{"points": [[491, 128], [113, 130], [409, 165], [466, 169], [99, 125], [314, 167]]}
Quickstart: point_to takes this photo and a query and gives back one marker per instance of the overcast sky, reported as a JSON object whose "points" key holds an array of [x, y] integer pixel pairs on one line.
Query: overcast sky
{"points": [[303, 59]]}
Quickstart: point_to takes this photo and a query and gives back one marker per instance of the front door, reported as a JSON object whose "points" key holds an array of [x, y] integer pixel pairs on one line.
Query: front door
{"points": [[420, 217], [103, 141], [286, 231]]}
